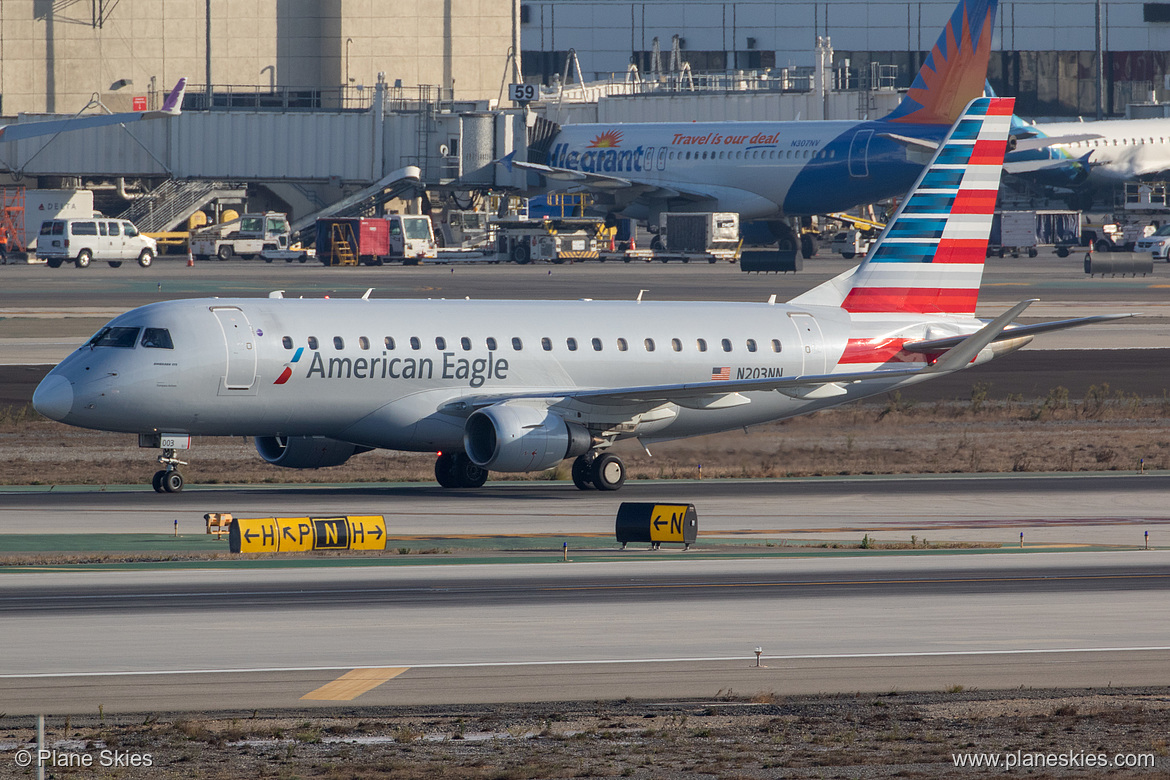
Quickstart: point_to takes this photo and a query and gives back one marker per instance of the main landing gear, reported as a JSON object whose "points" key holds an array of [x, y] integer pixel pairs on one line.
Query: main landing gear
{"points": [[603, 471], [168, 480], [455, 470]]}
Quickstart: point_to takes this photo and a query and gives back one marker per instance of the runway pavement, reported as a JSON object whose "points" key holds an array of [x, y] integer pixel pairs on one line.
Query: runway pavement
{"points": [[1098, 508], [240, 640]]}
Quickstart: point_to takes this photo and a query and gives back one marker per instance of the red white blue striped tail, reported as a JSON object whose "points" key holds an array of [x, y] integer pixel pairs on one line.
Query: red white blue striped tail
{"points": [[929, 259]]}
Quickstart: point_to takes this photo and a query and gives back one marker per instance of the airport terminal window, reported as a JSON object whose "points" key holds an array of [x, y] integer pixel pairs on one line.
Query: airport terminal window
{"points": [[596, 345], [546, 344], [517, 344], [701, 344], [115, 337], [726, 345], [676, 345], [157, 338], [775, 345], [623, 345], [338, 342], [440, 342], [465, 343], [491, 342], [363, 342], [312, 342], [751, 345], [389, 342], [287, 342], [415, 343], [649, 345]]}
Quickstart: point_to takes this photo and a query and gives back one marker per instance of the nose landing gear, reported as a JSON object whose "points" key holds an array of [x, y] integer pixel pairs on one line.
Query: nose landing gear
{"points": [[168, 480]]}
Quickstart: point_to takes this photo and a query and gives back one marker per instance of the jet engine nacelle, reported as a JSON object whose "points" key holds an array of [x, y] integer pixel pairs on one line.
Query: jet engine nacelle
{"points": [[516, 437], [304, 452]]}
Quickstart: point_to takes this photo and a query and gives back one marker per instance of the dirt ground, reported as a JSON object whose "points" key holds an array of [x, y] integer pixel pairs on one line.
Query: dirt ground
{"points": [[1103, 430], [731, 736]]}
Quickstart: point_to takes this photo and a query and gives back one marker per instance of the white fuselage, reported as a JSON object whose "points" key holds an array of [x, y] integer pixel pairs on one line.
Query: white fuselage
{"points": [[1127, 149], [401, 374]]}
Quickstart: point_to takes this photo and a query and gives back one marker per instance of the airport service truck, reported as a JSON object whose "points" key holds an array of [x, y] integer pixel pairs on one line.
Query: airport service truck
{"points": [[249, 236]]}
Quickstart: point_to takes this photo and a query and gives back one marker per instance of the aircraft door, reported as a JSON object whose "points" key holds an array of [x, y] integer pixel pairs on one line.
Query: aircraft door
{"points": [[859, 154], [241, 348], [812, 343]]}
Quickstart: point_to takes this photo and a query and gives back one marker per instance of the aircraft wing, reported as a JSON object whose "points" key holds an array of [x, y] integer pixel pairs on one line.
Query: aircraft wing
{"points": [[602, 181], [1013, 332], [172, 106]]}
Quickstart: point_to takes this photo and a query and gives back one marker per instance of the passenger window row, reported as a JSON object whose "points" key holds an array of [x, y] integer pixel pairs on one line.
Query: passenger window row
{"points": [[546, 344]]}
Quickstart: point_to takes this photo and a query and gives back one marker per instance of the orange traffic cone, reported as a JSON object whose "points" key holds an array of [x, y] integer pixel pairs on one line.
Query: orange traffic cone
{"points": [[190, 258]]}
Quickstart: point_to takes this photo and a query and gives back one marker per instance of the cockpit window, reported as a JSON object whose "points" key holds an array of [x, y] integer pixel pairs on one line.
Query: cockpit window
{"points": [[157, 338], [115, 337]]}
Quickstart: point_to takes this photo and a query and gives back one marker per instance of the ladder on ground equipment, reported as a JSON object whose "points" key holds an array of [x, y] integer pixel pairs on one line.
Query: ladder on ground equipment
{"points": [[340, 245]]}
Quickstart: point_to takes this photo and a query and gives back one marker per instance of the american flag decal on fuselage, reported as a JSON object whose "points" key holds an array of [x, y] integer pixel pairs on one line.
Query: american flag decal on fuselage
{"points": [[929, 259], [720, 372]]}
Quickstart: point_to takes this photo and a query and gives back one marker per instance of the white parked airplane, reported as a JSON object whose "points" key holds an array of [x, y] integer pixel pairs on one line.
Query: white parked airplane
{"points": [[172, 106], [770, 170], [519, 386]]}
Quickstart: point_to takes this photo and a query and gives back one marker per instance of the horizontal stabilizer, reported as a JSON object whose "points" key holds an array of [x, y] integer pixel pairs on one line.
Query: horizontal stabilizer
{"points": [[1012, 332], [1043, 142]]}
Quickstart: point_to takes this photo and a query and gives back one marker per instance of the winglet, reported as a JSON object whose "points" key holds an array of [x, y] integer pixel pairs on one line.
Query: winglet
{"points": [[965, 351], [507, 160]]}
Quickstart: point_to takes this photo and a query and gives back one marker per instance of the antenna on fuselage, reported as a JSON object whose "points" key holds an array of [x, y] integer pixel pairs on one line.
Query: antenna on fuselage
{"points": [[366, 297], [640, 295]]}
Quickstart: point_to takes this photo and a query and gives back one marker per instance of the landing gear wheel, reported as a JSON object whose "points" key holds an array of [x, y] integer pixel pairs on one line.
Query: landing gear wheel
{"points": [[608, 472], [583, 472], [157, 481], [172, 482], [445, 470], [467, 474], [808, 246]]}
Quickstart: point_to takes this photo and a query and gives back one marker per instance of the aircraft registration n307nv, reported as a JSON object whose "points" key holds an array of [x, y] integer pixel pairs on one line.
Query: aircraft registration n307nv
{"points": [[765, 170], [519, 386]]}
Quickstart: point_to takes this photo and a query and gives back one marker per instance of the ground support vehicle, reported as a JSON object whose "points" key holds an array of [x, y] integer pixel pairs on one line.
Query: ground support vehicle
{"points": [[82, 241], [1026, 231], [555, 239], [1157, 244], [250, 236]]}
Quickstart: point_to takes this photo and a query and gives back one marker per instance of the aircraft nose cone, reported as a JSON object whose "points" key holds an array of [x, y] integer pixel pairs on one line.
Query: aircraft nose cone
{"points": [[54, 397]]}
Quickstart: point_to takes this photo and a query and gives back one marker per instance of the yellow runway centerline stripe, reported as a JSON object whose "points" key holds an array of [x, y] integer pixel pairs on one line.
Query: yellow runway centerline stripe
{"points": [[354, 683]]}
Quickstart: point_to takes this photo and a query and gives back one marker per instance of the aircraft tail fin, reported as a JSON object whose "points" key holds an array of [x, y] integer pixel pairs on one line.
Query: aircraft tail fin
{"points": [[955, 71], [929, 258], [174, 102]]}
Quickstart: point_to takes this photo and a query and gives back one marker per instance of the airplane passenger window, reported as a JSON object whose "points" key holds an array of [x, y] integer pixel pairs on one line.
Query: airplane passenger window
{"points": [[287, 342], [649, 345], [415, 343], [546, 344], [676, 345], [338, 342], [596, 345], [701, 344], [623, 345], [751, 345], [726, 345], [389, 342], [775, 345], [465, 343], [440, 342], [571, 343], [312, 342], [157, 338], [517, 344], [491, 343], [363, 342]]}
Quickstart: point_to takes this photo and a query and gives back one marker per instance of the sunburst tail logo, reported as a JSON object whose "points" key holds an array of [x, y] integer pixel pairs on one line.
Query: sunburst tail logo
{"points": [[954, 71], [610, 139]]}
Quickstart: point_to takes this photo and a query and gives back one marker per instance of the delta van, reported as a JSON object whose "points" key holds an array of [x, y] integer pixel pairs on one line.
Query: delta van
{"points": [[82, 241]]}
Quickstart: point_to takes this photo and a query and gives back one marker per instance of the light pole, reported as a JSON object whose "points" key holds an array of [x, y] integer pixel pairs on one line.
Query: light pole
{"points": [[345, 86]]}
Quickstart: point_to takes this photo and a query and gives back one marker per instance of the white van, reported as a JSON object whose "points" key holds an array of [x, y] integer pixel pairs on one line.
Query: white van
{"points": [[81, 241]]}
